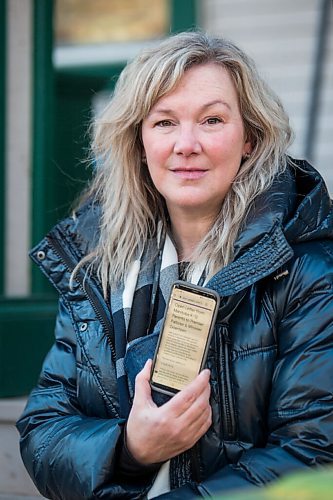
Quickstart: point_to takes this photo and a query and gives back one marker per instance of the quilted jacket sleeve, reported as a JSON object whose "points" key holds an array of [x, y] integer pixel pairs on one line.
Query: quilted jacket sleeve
{"points": [[68, 454]]}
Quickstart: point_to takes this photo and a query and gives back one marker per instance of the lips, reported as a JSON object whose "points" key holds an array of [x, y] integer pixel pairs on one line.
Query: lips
{"points": [[189, 173]]}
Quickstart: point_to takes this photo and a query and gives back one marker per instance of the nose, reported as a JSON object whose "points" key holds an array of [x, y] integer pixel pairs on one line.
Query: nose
{"points": [[187, 142]]}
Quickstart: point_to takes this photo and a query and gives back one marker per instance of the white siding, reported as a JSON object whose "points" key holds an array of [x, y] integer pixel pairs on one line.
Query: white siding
{"points": [[324, 146], [18, 147], [281, 36]]}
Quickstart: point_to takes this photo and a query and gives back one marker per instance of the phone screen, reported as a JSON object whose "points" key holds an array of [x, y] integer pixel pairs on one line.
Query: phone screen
{"points": [[182, 347]]}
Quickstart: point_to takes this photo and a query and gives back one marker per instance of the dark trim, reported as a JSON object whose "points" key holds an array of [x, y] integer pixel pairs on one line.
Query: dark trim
{"points": [[184, 15], [95, 77], [26, 334], [43, 95], [3, 45], [24, 306], [317, 78]]}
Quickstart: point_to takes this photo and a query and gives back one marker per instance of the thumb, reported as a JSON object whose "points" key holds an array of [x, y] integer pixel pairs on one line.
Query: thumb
{"points": [[142, 385]]}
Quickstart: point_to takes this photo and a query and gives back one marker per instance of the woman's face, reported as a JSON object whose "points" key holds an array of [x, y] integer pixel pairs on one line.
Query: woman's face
{"points": [[194, 141]]}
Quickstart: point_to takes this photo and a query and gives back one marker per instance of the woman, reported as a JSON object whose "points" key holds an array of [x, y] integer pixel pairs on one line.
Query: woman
{"points": [[193, 181]]}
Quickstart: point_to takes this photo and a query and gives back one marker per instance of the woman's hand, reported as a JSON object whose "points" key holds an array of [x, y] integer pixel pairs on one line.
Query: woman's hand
{"points": [[156, 434]]}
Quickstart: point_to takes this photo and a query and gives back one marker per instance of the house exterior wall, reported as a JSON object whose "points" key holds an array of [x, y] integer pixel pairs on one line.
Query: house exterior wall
{"points": [[282, 38]]}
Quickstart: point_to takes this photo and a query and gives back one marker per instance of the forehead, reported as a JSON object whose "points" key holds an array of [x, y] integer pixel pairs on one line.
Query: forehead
{"points": [[201, 82]]}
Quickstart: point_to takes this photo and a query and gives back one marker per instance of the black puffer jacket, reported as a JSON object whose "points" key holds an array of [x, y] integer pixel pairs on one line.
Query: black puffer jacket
{"points": [[271, 359]]}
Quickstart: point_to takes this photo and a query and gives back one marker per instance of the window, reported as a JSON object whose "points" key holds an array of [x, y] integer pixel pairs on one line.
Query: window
{"points": [[106, 21]]}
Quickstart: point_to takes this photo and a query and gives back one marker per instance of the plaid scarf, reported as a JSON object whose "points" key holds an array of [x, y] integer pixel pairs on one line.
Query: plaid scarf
{"points": [[138, 304]]}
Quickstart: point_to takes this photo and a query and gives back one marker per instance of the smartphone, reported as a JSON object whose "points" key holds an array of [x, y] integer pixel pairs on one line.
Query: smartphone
{"points": [[185, 336]]}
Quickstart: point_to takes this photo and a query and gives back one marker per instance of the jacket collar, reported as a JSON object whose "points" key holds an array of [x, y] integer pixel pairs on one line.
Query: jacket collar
{"points": [[270, 253], [296, 208]]}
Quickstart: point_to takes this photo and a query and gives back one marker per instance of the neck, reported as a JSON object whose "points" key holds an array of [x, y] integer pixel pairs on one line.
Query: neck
{"points": [[187, 232]]}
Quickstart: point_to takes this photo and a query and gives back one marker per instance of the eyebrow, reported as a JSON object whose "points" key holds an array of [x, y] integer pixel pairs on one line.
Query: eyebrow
{"points": [[203, 107]]}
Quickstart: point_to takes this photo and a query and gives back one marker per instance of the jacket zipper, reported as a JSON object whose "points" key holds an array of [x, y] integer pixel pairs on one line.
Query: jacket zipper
{"points": [[227, 405], [87, 289]]}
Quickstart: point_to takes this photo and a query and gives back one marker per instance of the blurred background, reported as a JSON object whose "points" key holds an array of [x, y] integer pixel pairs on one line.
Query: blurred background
{"points": [[59, 60]]}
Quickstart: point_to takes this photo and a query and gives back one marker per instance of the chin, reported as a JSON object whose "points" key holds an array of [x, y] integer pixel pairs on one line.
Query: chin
{"points": [[195, 206]]}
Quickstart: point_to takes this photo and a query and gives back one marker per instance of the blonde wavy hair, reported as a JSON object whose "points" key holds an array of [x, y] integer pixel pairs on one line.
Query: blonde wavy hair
{"points": [[131, 205]]}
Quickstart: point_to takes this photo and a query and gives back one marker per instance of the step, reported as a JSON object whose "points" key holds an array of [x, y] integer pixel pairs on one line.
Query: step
{"points": [[15, 482]]}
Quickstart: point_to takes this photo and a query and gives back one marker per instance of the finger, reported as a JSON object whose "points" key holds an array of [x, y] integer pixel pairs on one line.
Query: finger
{"points": [[193, 413], [184, 399], [186, 437], [144, 374], [204, 419], [196, 413], [195, 429], [142, 385], [201, 431], [199, 383]]}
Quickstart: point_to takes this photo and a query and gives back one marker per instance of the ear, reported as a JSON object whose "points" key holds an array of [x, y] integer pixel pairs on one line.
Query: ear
{"points": [[247, 149]]}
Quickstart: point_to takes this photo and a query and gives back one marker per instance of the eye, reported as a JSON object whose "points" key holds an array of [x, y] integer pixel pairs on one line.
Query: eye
{"points": [[163, 123], [212, 120]]}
